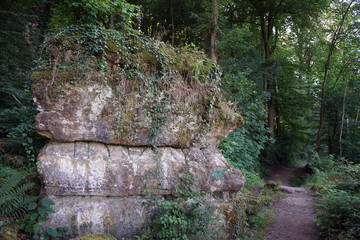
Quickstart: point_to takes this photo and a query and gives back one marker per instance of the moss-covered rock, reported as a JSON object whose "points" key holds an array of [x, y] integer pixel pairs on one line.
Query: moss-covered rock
{"points": [[95, 237], [99, 85], [10, 232]]}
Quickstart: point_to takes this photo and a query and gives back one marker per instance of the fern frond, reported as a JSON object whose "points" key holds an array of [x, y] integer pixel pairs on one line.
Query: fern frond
{"points": [[13, 200]]}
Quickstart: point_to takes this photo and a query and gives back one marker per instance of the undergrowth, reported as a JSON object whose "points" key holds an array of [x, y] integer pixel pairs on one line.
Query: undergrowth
{"points": [[337, 189], [259, 213], [13, 198], [187, 217]]}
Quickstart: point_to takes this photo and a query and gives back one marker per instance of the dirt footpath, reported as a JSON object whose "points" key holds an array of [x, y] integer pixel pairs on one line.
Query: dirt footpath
{"points": [[294, 210]]}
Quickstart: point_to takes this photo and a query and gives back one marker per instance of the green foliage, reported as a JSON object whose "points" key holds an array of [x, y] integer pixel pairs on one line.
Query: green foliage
{"points": [[94, 12], [22, 128], [13, 198], [337, 185], [242, 149], [241, 81], [259, 213], [37, 214], [15, 54], [190, 21], [187, 217], [17, 50]]}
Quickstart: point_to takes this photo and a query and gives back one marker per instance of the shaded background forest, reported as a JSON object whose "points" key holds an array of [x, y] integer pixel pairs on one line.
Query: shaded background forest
{"points": [[291, 67]]}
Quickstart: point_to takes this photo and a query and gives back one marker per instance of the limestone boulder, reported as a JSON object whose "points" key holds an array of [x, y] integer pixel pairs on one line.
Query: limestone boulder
{"points": [[127, 116]]}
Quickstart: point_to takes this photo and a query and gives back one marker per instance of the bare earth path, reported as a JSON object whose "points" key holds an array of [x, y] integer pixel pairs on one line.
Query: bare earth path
{"points": [[294, 210]]}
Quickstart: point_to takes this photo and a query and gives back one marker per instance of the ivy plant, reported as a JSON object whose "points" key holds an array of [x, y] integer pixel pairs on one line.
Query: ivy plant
{"points": [[31, 223]]}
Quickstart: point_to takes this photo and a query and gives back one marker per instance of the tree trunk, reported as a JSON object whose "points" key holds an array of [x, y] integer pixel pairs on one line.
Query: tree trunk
{"points": [[335, 37], [112, 25], [213, 30], [271, 116], [278, 125], [342, 117], [267, 19], [172, 23], [266, 33]]}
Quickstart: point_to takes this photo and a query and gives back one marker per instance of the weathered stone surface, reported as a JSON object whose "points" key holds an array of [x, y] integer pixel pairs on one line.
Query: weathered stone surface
{"points": [[96, 169], [118, 217], [99, 188], [168, 100], [121, 217], [92, 113]]}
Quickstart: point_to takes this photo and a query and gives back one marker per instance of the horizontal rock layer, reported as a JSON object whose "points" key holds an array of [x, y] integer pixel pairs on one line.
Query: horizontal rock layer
{"points": [[119, 217], [93, 113], [96, 169]]}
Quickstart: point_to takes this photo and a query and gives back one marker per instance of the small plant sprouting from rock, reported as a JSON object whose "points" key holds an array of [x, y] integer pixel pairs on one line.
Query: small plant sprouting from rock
{"points": [[37, 214]]}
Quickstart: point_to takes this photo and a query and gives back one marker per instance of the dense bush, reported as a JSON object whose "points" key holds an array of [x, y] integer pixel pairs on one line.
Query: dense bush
{"points": [[242, 149], [337, 185], [242, 82]]}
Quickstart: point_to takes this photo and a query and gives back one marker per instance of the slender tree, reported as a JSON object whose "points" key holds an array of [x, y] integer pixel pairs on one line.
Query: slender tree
{"points": [[213, 29], [337, 34], [342, 117]]}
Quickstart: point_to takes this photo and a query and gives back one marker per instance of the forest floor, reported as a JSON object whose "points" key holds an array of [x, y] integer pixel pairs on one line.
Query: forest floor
{"points": [[294, 213]]}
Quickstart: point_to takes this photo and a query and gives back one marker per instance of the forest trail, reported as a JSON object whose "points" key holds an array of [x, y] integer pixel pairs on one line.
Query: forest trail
{"points": [[294, 210]]}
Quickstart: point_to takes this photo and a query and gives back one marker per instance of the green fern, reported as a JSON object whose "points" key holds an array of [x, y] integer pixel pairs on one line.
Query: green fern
{"points": [[13, 199]]}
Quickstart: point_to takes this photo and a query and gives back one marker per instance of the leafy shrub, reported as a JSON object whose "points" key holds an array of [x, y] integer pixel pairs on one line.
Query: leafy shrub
{"points": [[37, 214], [259, 213], [187, 217], [94, 12], [19, 123], [337, 185], [339, 213], [242, 149]]}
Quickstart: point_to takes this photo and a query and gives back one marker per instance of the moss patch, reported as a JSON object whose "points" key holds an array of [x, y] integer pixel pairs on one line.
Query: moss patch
{"points": [[97, 237], [235, 215], [10, 232]]}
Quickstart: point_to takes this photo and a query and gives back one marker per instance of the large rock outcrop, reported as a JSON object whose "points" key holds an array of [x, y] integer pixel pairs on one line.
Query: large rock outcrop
{"points": [[126, 115]]}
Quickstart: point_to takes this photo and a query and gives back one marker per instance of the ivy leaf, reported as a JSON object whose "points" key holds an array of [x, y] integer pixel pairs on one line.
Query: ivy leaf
{"points": [[42, 219], [36, 227], [51, 232], [32, 206], [49, 210], [41, 211], [47, 202], [33, 216]]}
